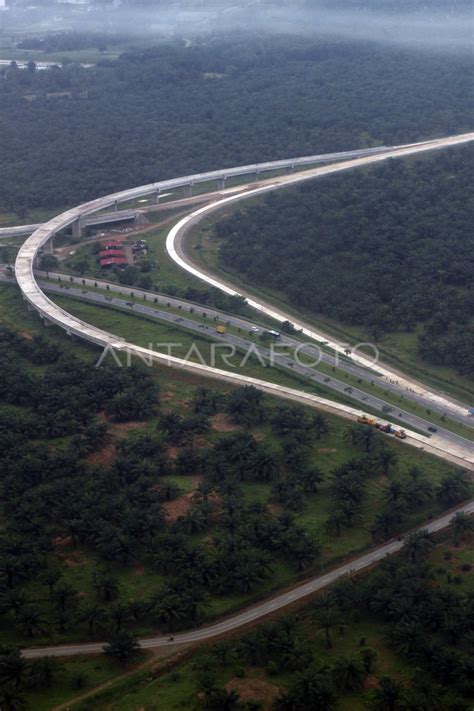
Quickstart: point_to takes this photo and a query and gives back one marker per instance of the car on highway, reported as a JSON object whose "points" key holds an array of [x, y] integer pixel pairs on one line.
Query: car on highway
{"points": [[432, 429], [254, 329]]}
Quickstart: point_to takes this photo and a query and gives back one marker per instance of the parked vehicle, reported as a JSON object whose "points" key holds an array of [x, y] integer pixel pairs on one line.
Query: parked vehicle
{"points": [[388, 429]]}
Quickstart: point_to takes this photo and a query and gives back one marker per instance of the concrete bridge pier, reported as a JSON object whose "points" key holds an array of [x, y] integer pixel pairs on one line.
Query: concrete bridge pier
{"points": [[49, 246], [221, 183], [188, 190], [116, 205], [156, 198], [77, 228]]}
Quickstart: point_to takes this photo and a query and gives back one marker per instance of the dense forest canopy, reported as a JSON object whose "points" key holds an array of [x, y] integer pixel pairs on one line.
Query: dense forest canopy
{"points": [[71, 134], [385, 248]]}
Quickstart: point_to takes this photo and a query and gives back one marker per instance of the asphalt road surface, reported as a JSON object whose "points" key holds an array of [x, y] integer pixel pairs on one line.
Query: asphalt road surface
{"points": [[242, 345], [53, 314], [258, 611], [338, 360]]}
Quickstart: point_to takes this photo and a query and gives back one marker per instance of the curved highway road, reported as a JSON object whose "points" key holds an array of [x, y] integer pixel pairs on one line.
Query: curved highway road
{"points": [[53, 314], [341, 363], [176, 251], [242, 344]]}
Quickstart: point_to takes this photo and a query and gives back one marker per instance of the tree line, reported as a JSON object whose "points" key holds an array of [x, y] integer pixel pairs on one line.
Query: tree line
{"points": [[72, 134], [388, 249]]}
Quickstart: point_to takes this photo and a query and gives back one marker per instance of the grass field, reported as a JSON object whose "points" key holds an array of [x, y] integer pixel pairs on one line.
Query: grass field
{"points": [[36, 216], [75, 677]]}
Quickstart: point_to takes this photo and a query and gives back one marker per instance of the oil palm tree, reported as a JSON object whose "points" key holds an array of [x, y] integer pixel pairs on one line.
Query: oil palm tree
{"points": [[327, 617], [462, 525], [320, 425], [336, 522], [418, 545], [349, 673]]}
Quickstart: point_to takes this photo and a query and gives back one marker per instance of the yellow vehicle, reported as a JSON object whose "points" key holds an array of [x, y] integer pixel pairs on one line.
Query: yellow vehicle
{"points": [[364, 420], [401, 434], [220, 329]]}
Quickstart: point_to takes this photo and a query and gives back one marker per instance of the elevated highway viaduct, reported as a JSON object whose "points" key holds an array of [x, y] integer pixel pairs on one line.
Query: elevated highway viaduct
{"points": [[51, 313]]}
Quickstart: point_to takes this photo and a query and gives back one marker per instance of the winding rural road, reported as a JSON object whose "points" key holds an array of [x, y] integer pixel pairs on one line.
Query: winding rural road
{"points": [[52, 313], [259, 610]]}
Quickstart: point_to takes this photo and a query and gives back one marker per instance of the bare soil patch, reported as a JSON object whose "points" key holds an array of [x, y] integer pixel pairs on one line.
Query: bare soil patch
{"points": [[105, 456], [73, 559], [371, 682], [181, 505], [255, 690], [223, 423], [178, 507], [172, 452], [62, 541], [118, 429]]}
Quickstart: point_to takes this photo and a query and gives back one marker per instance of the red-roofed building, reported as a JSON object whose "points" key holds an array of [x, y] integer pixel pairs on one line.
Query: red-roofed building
{"points": [[112, 244], [111, 253], [113, 261]]}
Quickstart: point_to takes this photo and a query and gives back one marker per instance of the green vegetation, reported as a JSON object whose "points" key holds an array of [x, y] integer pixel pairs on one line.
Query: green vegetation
{"points": [[124, 323], [364, 265], [138, 499], [150, 333], [363, 644], [69, 679], [168, 119], [398, 350], [117, 552]]}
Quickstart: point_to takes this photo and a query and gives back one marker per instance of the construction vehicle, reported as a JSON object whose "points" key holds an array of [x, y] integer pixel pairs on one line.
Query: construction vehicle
{"points": [[401, 434], [364, 420], [384, 428], [220, 329]]}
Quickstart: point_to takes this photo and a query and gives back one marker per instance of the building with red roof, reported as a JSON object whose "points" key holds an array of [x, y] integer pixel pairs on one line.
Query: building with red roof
{"points": [[113, 261], [111, 253]]}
